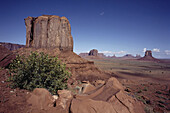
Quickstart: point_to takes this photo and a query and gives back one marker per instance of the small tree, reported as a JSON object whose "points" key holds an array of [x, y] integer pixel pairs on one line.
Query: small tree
{"points": [[38, 71]]}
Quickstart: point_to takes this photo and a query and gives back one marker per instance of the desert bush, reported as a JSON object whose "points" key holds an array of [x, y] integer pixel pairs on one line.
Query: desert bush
{"points": [[38, 71]]}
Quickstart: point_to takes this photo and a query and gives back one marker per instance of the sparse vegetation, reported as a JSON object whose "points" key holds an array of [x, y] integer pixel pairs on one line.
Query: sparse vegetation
{"points": [[145, 89], [139, 91], [38, 71], [158, 92]]}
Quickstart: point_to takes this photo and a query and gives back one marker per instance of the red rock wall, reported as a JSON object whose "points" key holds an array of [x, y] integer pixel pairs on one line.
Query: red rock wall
{"points": [[48, 31]]}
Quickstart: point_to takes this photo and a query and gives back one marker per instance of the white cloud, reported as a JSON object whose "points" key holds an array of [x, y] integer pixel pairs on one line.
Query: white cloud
{"points": [[120, 52], [144, 50], [106, 52], [102, 13], [156, 50], [167, 52], [111, 52]]}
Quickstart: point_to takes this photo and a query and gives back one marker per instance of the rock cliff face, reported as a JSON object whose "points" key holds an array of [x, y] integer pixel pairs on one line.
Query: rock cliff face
{"points": [[48, 31]]}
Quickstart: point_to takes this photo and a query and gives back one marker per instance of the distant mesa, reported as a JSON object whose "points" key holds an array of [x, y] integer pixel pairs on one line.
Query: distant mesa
{"points": [[11, 46], [49, 31], [128, 56], [93, 52], [138, 56], [148, 57]]}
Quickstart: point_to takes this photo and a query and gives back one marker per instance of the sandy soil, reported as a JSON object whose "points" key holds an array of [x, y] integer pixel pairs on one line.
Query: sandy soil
{"points": [[11, 100]]}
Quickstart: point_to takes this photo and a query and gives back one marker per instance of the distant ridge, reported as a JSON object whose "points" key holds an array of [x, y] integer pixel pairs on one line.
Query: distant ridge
{"points": [[11, 46]]}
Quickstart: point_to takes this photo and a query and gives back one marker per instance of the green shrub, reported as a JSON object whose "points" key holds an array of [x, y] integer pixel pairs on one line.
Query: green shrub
{"points": [[38, 71]]}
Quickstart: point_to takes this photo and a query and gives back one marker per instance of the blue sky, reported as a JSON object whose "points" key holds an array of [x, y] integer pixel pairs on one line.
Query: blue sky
{"points": [[112, 26]]}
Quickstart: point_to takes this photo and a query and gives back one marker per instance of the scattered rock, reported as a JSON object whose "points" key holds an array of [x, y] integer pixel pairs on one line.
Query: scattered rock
{"points": [[64, 99], [87, 88], [65, 94], [55, 97], [111, 95]]}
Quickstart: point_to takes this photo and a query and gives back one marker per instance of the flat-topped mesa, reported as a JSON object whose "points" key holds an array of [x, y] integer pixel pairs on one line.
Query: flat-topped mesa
{"points": [[49, 31]]}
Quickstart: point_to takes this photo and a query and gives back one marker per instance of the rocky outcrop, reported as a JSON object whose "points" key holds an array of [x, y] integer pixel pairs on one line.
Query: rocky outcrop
{"points": [[93, 52], [6, 56], [49, 31], [41, 98], [11, 46], [108, 98], [104, 98], [148, 57]]}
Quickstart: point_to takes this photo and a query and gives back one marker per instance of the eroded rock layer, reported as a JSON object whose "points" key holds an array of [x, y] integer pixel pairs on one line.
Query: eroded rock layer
{"points": [[48, 31]]}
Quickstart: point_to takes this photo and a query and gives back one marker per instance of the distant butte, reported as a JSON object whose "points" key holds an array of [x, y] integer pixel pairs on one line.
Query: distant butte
{"points": [[92, 54], [148, 57]]}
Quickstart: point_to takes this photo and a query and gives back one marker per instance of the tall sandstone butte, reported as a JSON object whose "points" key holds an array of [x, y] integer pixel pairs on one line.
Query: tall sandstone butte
{"points": [[49, 31], [148, 53]]}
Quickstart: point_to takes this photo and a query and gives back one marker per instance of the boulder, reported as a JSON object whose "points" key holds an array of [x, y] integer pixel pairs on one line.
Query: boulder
{"points": [[49, 31], [109, 98], [64, 99], [114, 83], [87, 87], [98, 83], [65, 94], [41, 98]]}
